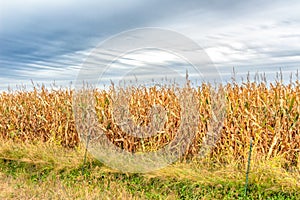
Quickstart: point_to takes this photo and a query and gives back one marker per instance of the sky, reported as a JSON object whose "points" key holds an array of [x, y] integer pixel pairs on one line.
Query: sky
{"points": [[48, 41]]}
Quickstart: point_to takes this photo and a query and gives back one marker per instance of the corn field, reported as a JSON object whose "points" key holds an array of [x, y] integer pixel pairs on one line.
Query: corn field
{"points": [[267, 113]]}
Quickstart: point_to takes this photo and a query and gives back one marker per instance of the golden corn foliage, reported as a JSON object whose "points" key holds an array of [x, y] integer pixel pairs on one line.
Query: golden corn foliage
{"points": [[268, 114]]}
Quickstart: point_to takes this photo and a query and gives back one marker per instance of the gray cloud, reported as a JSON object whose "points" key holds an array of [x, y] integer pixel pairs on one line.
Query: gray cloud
{"points": [[43, 36]]}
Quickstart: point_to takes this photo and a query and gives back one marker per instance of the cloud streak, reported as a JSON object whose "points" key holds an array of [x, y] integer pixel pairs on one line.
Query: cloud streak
{"points": [[49, 40]]}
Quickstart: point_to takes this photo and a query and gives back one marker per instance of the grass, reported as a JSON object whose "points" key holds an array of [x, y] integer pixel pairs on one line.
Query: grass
{"points": [[48, 171]]}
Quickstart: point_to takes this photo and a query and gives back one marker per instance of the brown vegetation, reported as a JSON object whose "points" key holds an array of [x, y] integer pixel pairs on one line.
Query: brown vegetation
{"points": [[268, 114]]}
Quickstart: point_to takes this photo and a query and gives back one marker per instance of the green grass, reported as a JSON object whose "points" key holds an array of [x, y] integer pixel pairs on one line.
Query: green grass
{"points": [[43, 171]]}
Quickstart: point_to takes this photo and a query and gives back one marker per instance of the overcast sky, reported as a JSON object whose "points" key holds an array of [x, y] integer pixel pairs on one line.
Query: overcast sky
{"points": [[46, 40]]}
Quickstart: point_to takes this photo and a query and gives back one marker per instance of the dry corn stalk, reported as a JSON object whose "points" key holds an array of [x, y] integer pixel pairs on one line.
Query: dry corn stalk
{"points": [[268, 114]]}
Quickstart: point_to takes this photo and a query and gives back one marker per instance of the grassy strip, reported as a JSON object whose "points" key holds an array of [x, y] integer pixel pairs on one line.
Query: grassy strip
{"points": [[44, 171]]}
